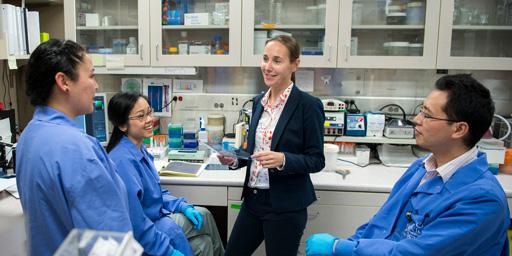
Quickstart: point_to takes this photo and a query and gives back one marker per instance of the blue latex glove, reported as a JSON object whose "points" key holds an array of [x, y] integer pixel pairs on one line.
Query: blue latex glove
{"points": [[320, 244], [194, 216], [175, 252]]}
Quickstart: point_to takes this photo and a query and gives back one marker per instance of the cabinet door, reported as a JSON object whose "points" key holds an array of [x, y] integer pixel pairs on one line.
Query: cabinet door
{"points": [[388, 34], [195, 33], [313, 23], [475, 35], [116, 29]]}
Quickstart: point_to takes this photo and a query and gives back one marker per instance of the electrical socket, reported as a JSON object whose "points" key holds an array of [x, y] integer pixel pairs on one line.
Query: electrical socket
{"points": [[234, 101]]}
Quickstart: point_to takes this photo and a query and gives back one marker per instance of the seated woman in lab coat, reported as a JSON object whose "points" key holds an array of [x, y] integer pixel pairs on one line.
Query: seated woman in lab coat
{"points": [[162, 223]]}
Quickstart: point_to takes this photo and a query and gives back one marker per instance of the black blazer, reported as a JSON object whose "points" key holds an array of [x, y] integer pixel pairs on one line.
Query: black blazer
{"points": [[299, 134]]}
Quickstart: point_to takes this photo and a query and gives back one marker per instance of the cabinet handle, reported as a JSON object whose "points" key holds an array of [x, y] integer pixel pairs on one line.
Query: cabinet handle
{"points": [[347, 52], [329, 51], [140, 51], [156, 52]]}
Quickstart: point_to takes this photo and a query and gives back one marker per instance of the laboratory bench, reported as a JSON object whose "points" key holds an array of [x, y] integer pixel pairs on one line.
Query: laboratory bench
{"points": [[343, 202]]}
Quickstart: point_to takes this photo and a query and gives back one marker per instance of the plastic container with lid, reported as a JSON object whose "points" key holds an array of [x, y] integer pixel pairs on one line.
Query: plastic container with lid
{"points": [[416, 49], [396, 18], [397, 48], [415, 13], [331, 154]]}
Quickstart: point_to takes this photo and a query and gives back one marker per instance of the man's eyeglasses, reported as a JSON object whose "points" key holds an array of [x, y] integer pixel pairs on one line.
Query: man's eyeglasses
{"points": [[142, 116], [427, 116]]}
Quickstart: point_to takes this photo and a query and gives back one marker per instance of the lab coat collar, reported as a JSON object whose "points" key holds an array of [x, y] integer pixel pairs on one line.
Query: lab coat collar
{"points": [[461, 177], [469, 173], [132, 148], [51, 115]]}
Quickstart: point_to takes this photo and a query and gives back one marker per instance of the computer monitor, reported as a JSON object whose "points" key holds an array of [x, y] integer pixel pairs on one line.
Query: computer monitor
{"points": [[96, 123]]}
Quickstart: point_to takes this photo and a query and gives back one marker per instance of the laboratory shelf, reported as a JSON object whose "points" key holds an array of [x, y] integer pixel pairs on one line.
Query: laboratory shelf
{"points": [[146, 71], [410, 27], [181, 27], [274, 26], [377, 140], [107, 28], [480, 27]]}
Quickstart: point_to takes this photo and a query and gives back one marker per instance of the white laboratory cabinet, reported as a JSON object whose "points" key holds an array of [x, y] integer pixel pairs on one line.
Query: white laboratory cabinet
{"points": [[313, 23], [208, 35], [116, 30], [388, 34], [335, 212], [475, 34]]}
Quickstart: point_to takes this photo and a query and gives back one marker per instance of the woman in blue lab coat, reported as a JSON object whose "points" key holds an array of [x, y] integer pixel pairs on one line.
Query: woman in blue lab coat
{"points": [[286, 142], [161, 222], [65, 178]]}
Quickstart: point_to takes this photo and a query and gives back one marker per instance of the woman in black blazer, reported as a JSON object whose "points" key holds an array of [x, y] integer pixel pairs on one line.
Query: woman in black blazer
{"points": [[286, 142]]}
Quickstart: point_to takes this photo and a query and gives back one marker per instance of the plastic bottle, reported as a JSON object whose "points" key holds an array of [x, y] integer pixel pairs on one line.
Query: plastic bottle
{"points": [[202, 135], [217, 49], [131, 48], [183, 43]]}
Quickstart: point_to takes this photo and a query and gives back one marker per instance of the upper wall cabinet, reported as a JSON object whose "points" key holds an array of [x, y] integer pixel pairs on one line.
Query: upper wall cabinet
{"points": [[195, 33], [117, 28], [475, 34], [388, 34], [313, 23]]}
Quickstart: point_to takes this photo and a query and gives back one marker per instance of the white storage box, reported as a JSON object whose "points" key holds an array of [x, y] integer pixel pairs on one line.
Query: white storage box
{"points": [[192, 19]]}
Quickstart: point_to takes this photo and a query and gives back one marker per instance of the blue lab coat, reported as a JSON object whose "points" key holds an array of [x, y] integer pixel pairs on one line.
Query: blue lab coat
{"points": [[66, 180], [149, 204], [467, 215]]}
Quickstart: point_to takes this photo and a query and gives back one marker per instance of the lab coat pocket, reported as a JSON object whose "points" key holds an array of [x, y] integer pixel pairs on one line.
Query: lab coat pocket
{"points": [[415, 223]]}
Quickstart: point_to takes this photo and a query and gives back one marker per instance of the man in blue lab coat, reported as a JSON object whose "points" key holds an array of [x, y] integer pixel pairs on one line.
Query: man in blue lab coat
{"points": [[64, 176], [447, 203]]}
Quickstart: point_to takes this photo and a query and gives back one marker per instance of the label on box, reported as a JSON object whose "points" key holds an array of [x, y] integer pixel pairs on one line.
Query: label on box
{"points": [[194, 19]]}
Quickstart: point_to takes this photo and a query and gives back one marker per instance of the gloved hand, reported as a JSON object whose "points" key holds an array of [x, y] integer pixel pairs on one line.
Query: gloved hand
{"points": [[194, 216], [175, 252], [320, 244]]}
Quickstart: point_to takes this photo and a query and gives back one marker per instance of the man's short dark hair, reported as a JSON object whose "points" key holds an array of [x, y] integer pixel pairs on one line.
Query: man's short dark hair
{"points": [[45, 62], [468, 101]]}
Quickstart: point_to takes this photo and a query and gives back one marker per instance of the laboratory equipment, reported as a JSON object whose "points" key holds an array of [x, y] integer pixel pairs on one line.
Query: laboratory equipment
{"points": [[96, 123], [398, 129], [356, 125], [396, 155], [375, 124], [193, 156], [99, 243], [334, 116], [495, 148], [7, 140], [334, 123]]}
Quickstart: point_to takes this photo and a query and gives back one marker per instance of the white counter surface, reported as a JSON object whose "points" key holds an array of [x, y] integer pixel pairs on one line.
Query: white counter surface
{"points": [[374, 178]]}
